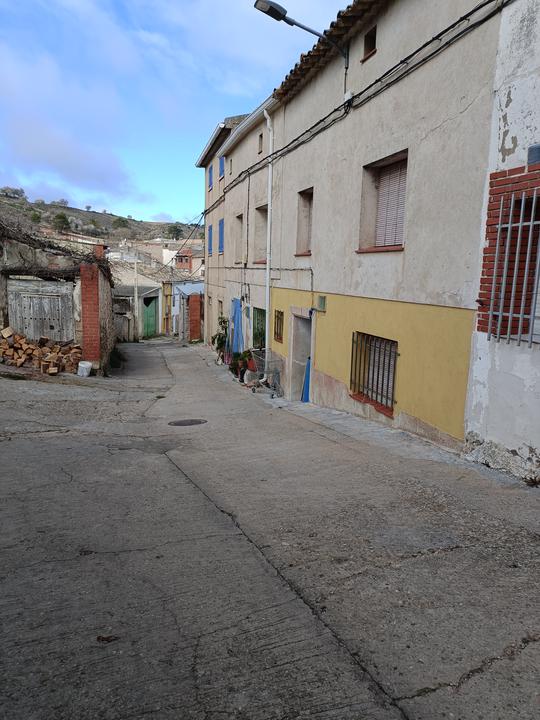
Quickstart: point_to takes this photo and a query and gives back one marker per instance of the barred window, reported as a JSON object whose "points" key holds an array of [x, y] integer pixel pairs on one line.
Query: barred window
{"points": [[511, 271], [278, 326], [373, 370]]}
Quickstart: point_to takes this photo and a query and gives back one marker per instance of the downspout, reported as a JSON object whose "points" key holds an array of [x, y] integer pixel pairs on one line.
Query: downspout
{"points": [[270, 126]]}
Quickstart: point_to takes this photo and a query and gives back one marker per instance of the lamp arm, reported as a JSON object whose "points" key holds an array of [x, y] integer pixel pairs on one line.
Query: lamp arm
{"points": [[344, 53]]}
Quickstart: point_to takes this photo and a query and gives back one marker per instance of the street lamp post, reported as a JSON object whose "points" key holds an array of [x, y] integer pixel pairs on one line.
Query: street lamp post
{"points": [[279, 13]]}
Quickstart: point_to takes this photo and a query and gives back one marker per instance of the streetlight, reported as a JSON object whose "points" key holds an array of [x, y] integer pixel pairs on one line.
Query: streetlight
{"points": [[279, 13]]}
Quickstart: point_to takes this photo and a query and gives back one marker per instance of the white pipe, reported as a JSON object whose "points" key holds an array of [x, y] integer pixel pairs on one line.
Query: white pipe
{"points": [[270, 127]]}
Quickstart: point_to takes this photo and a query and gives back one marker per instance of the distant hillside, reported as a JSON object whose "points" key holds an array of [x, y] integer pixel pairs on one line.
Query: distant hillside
{"points": [[42, 218]]}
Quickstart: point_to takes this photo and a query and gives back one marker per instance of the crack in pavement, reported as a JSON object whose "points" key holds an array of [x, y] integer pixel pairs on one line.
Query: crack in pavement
{"points": [[86, 552], [394, 702], [510, 652]]}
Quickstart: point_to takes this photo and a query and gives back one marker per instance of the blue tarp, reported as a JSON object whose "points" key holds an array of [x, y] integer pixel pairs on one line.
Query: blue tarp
{"points": [[236, 336]]}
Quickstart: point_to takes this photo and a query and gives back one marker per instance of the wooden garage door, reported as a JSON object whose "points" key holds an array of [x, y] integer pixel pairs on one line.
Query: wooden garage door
{"points": [[41, 308]]}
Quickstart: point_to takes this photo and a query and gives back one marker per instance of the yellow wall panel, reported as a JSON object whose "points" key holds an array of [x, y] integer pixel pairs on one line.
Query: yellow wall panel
{"points": [[434, 345]]}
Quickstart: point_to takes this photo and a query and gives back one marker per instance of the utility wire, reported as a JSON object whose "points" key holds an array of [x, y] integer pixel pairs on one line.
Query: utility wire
{"points": [[408, 65]]}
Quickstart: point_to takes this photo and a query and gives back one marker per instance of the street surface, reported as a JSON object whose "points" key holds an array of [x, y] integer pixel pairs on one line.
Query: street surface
{"points": [[277, 562]]}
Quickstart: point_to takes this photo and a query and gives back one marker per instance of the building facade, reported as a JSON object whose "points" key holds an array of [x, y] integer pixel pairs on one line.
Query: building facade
{"points": [[377, 209]]}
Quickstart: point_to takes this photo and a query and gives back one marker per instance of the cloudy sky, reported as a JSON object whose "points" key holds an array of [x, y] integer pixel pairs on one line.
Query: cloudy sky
{"points": [[109, 102]]}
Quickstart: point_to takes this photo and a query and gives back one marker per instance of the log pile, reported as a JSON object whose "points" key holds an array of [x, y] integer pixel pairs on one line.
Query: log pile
{"points": [[48, 356]]}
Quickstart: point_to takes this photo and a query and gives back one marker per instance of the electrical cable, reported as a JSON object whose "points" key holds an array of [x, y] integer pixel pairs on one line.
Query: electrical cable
{"points": [[360, 98]]}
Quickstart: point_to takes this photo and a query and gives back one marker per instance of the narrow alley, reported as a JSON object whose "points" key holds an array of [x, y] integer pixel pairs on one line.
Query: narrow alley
{"points": [[276, 561]]}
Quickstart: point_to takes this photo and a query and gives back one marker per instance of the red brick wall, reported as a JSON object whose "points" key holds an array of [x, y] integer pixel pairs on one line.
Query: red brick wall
{"points": [[195, 317], [90, 313], [518, 180]]}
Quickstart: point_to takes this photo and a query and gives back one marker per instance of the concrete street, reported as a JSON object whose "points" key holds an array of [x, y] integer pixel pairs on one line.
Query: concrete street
{"points": [[277, 562]]}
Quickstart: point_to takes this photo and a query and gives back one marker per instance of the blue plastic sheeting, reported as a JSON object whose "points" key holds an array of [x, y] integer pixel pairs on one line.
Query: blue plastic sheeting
{"points": [[236, 336], [305, 389]]}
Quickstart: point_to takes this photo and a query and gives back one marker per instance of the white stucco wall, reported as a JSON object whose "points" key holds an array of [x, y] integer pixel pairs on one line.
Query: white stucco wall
{"points": [[503, 410], [439, 114]]}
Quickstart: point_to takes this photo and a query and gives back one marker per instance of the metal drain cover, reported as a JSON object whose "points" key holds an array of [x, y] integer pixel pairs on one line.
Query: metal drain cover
{"points": [[184, 423]]}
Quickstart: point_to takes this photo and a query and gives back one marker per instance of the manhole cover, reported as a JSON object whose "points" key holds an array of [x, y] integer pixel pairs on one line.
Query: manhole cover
{"points": [[183, 423]]}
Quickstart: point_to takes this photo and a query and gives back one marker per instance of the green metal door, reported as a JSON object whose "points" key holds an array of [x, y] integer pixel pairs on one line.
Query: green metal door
{"points": [[149, 327], [259, 328]]}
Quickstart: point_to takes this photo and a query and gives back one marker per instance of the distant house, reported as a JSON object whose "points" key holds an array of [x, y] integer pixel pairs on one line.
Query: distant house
{"points": [[63, 294], [188, 310], [133, 323]]}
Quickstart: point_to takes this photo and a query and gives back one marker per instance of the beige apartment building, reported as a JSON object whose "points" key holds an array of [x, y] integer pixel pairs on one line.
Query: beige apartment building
{"points": [[368, 188]]}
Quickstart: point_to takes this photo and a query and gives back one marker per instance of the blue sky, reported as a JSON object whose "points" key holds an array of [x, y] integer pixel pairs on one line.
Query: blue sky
{"points": [[109, 102]]}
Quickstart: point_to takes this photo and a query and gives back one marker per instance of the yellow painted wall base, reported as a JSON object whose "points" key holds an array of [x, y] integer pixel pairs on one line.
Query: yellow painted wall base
{"points": [[434, 345]]}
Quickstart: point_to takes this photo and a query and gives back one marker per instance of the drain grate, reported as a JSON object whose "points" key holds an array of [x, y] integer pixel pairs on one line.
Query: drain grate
{"points": [[184, 423]]}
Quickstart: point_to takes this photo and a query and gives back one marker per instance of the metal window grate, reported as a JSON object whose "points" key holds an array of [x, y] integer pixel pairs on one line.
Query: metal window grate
{"points": [[278, 326], [513, 301], [373, 368]]}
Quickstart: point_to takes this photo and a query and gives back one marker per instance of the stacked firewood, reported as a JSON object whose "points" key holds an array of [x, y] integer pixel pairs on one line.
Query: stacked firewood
{"points": [[48, 356]]}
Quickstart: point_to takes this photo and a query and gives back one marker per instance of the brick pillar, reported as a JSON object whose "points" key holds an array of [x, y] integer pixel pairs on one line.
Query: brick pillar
{"points": [[194, 317], [90, 313]]}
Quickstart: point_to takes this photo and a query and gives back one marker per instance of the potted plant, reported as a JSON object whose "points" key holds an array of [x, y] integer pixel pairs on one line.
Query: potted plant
{"points": [[219, 340]]}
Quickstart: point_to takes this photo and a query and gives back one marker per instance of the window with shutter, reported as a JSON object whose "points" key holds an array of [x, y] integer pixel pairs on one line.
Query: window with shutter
{"points": [[392, 183], [221, 239], [210, 239], [221, 167], [210, 177]]}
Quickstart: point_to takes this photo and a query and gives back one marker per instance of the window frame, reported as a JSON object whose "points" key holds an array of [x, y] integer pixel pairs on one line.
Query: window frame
{"points": [[211, 176], [222, 167], [366, 381], [370, 204], [304, 223], [370, 43], [279, 323], [210, 240], [221, 236]]}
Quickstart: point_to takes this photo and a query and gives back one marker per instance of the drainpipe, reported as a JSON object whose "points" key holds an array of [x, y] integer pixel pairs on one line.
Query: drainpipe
{"points": [[270, 126], [136, 299]]}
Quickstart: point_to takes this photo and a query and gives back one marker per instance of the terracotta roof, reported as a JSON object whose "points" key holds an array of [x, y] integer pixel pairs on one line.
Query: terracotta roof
{"points": [[358, 16]]}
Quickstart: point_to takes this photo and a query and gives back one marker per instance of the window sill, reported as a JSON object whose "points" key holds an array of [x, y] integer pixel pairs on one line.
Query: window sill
{"points": [[368, 401], [279, 340], [259, 262], [369, 55], [380, 248], [303, 254]]}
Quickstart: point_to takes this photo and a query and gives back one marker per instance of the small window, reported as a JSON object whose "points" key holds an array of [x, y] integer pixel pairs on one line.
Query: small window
{"points": [[373, 370], [260, 143], [305, 222], [209, 300], [220, 308], [210, 177], [278, 326], [261, 229], [221, 168], [221, 238], [210, 238], [392, 185], [239, 239], [230, 166], [370, 43]]}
